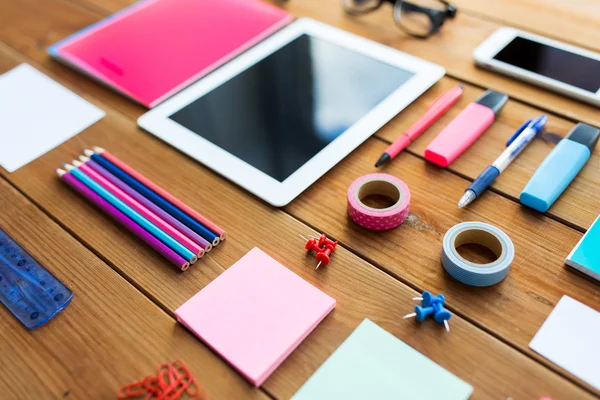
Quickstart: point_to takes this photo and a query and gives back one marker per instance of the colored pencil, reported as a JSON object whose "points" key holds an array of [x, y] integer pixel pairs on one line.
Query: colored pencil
{"points": [[199, 240], [160, 191], [155, 198], [131, 213], [125, 221], [143, 211]]}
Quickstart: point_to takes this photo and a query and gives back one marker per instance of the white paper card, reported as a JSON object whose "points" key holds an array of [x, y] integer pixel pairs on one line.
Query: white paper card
{"points": [[36, 115], [570, 338]]}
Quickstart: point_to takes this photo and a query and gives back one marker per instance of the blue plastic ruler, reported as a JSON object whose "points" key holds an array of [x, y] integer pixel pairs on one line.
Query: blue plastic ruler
{"points": [[27, 289]]}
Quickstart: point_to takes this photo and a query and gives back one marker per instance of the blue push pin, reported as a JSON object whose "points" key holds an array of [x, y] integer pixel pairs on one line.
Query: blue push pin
{"points": [[431, 305]]}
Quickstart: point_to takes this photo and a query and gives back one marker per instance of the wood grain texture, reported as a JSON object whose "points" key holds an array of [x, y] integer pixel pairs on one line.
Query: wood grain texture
{"points": [[373, 275], [360, 289], [575, 22], [108, 336]]}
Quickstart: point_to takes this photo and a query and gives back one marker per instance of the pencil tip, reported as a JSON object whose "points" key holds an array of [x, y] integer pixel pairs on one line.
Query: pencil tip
{"points": [[77, 163], [84, 159], [99, 149], [88, 152], [68, 167], [60, 172]]}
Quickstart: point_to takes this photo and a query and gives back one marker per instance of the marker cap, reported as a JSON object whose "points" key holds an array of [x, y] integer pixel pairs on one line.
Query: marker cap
{"points": [[585, 134], [492, 100]]}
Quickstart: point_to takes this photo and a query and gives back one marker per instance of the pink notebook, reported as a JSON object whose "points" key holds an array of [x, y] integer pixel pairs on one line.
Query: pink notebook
{"points": [[154, 48], [255, 314]]}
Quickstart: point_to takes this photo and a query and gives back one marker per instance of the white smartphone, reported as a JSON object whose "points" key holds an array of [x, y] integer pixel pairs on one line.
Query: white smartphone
{"points": [[557, 66]]}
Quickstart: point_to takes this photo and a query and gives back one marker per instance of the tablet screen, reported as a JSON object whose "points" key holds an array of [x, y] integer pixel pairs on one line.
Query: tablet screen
{"points": [[280, 112]]}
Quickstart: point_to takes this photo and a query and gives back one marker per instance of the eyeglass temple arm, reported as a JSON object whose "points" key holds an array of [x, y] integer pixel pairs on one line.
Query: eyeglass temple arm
{"points": [[450, 8]]}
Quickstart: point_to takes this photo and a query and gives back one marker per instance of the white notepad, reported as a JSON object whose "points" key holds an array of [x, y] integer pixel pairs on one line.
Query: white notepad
{"points": [[570, 338], [37, 114]]}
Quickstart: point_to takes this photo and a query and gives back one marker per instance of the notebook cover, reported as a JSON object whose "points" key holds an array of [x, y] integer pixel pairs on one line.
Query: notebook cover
{"points": [[374, 364], [154, 48], [585, 257], [255, 314]]}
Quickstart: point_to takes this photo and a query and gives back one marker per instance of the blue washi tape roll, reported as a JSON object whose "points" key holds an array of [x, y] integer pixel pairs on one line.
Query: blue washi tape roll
{"points": [[486, 235]]}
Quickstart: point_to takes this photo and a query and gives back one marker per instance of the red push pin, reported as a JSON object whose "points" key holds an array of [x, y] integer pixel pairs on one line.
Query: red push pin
{"points": [[323, 248], [323, 256], [311, 244]]}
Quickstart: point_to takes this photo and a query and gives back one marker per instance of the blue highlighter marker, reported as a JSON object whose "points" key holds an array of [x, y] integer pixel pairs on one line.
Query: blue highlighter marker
{"points": [[560, 167]]}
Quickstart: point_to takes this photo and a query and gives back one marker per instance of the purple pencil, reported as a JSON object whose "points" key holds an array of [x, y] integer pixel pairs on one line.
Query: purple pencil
{"points": [[205, 244], [121, 218]]}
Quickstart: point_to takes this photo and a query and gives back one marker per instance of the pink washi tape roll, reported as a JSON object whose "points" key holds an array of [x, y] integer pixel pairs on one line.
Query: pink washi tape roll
{"points": [[378, 219]]}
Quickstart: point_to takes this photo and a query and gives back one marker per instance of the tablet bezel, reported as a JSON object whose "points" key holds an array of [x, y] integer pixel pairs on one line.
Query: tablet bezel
{"points": [[158, 123]]}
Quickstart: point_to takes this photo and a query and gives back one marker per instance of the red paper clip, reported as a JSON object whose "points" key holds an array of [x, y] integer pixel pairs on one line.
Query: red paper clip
{"points": [[131, 390], [171, 382]]}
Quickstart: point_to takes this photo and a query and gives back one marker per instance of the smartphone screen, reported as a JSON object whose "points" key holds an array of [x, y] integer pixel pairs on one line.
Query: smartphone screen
{"points": [[561, 65]]}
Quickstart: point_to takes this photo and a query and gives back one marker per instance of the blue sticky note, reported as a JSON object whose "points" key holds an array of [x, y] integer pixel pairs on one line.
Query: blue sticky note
{"points": [[374, 364], [585, 257]]}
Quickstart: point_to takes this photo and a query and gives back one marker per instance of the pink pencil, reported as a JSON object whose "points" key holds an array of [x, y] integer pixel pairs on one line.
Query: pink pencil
{"points": [[131, 202], [166, 195]]}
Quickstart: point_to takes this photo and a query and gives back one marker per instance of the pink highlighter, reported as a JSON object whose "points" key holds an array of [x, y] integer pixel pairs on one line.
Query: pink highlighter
{"points": [[464, 130]]}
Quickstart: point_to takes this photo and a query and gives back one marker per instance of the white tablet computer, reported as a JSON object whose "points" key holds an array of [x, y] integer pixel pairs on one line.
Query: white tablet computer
{"points": [[280, 115]]}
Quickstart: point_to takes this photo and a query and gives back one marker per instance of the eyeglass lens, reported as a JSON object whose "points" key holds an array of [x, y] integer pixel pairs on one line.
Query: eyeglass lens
{"points": [[419, 17]]}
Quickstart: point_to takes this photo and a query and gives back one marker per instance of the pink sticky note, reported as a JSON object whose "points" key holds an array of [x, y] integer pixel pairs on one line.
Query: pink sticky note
{"points": [[255, 314], [154, 48]]}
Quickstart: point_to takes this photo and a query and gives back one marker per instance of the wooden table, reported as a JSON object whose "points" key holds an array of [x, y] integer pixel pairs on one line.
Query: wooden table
{"points": [[121, 323]]}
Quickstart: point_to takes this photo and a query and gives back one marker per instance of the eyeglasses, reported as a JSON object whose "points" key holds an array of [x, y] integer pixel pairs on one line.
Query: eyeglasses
{"points": [[418, 18]]}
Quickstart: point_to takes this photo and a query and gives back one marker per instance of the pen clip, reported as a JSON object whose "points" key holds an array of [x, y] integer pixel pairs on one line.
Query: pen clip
{"points": [[518, 132]]}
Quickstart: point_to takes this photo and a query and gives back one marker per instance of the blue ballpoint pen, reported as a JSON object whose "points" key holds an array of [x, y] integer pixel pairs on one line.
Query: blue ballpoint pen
{"points": [[516, 144]]}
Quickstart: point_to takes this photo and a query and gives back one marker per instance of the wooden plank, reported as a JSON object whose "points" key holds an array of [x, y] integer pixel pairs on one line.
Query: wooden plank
{"points": [[48, 21], [360, 289], [574, 22], [110, 334], [580, 203]]}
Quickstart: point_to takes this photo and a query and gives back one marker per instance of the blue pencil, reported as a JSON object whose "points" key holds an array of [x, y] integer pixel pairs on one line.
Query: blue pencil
{"points": [[132, 214], [156, 199]]}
